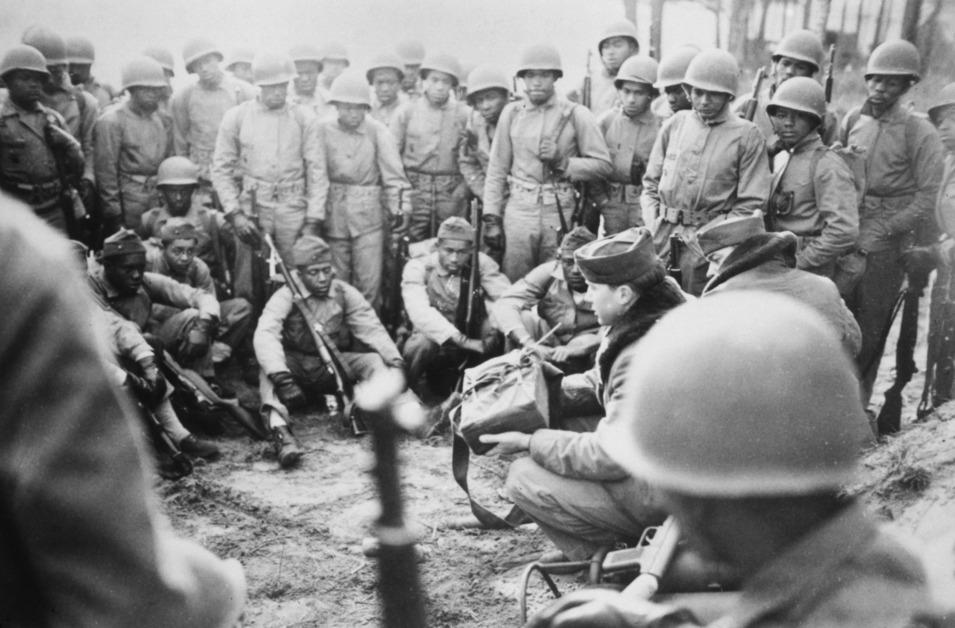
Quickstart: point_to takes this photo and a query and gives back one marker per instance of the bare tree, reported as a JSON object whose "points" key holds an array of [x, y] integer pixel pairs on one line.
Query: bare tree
{"points": [[910, 20], [820, 14], [656, 28], [630, 10], [740, 12]]}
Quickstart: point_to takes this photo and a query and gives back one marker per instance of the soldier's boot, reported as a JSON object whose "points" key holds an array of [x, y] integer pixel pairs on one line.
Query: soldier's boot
{"points": [[287, 449]]}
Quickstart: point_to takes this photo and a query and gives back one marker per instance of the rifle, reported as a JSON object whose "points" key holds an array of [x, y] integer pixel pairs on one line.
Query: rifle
{"points": [[749, 109], [259, 277], [941, 343], [335, 365], [181, 464], [829, 72], [471, 311], [392, 307], [673, 259], [224, 275], [657, 546], [586, 98], [69, 202]]}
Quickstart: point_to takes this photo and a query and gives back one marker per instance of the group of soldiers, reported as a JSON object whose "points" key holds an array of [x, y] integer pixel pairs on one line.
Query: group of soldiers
{"points": [[385, 192]]}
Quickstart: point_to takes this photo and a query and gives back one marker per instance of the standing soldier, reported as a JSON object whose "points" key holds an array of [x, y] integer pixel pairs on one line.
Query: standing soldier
{"points": [[38, 156], [240, 63], [617, 44], [129, 142], [308, 66], [80, 56], [385, 76], [542, 145], [706, 163], [629, 132], [904, 161], [670, 75], [334, 60], [198, 108], [166, 60], [429, 133], [366, 185], [488, 92], [813, 193], [269, 151], [411, 54]]}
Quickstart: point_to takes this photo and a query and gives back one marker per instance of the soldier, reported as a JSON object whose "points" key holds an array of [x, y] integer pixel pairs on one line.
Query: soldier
{"points": [[240, 63], [80, 56], [367, 182], [431, 289], [165, 59], [270, 149], [705, 162], [904, 161], [618, 43], [488, 92], [554, 293], [130, 140], [743, 256], [38, 156], [199, 107], [629, 132], [429, 133], [287, 353], [412, 55], [670, 76], [542, 145], [385, 76], [308, 66], [334, 60], [78, 108], [580, 497], [813, 193], [753, 468]]}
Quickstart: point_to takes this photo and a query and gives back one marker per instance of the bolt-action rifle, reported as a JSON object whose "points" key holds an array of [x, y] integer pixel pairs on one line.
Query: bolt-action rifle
{"points": [[749, 110], [829, 72], [472, 312]]}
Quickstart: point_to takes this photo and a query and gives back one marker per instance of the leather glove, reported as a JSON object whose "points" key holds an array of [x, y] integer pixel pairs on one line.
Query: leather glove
{"points": [[288, 392], [919, 260], [315, 228], [199, 338], [246, 230], [493, 231]]}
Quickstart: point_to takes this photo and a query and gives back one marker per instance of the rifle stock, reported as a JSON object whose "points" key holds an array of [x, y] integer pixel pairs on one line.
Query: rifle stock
{"points": [[829, 72], [586, 98], [749, 111]]}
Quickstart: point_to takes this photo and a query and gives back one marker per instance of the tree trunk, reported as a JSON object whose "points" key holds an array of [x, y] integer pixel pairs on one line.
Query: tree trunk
{"points": [[806, 13], [656, 28], [820, 14], [910, 20], [880, 23], [630, 10], [740, 11], [761, 33]]}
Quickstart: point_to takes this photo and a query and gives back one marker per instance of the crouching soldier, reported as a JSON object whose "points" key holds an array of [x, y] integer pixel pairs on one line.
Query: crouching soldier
{"points": [[580, 497], [554, 293], [287, 354]]}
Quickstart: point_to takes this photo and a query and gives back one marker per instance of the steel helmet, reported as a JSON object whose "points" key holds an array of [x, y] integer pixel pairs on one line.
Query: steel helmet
{"points": [[411, 52], [775, 408], [896, 57], [386, 60], [334, 51], [142, 71], [713, 70], [673, 66], [270, 68], [50, 44], [623, 28], [800, 93], [23, 57], [197, 48], [945, 98], [306, 52], [486, 76], [540, 57], [177, 171], [80, 50], [240, 55], [802, 45], [350, 87], [163, 56], [637, 69], [442, 62]]}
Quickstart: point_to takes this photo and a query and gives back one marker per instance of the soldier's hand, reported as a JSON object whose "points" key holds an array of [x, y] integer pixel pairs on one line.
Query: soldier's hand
{"points": [[539, 351], [287, 390], [315, 228], [140, 388], [61, 138], [245, 230], [547, 151], [506, 442], [562, 354], [603, 608], [155, 381], [493, 231]]}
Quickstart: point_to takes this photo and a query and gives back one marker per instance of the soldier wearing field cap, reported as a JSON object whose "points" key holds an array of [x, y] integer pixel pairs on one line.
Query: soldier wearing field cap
{"points": [[80, 56], [669, 81], [743, 256], [239, 63], [384, 77], [617, 43], [287, 353], [580, 497], [308, 66], [706, 162], [130, 140], [488, 93], [429, 134], [753, 468], [542, 146]]}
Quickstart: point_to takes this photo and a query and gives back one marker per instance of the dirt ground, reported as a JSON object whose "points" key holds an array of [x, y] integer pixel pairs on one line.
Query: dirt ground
{"points": [[299, 532]]}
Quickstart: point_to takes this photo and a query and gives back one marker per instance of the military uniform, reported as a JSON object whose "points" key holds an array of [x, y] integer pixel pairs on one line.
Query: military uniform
{"points": [[95, 89], [476, 152], [525, 190], [387, 113], [630, 141], [128, 148], [317, 102], [214, 235], [828, 128], [79, 110], [603, 92]]}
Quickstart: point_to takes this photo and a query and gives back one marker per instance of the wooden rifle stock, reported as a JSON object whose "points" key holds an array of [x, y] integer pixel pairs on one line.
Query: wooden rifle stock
{"points": [[829, 72], [749, 111], [586, 98]]}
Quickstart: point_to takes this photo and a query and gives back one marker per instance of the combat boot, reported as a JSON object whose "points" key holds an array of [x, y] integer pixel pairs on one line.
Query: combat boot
{"points": [[287, 449]]}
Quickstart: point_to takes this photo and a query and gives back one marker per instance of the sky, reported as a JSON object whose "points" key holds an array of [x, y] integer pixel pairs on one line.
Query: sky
{"points": [[478, 31]]}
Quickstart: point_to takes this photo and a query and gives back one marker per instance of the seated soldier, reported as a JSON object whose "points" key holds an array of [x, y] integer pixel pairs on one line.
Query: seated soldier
{"points": [[581, 498], [743, 256], [287, 354], [553, 293], [431, 290], [177, 182], [178, 259], [121, 281]]}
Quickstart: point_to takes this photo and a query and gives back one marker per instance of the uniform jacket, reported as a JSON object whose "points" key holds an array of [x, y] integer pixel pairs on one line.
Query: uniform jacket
{"points": [[344, 314], [517, 140], [476, 152], [603, 92], [815, 198], [945, 206], [904, 159], [429, 136], [25, 156], [196, 276], [767, 262], [716, 167], [197, 110], [127, 144], [317, 103], [579, 454], [386, 113], [209, 225], [630, 141], [79, 117], [545, 289], [431, 294]]}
